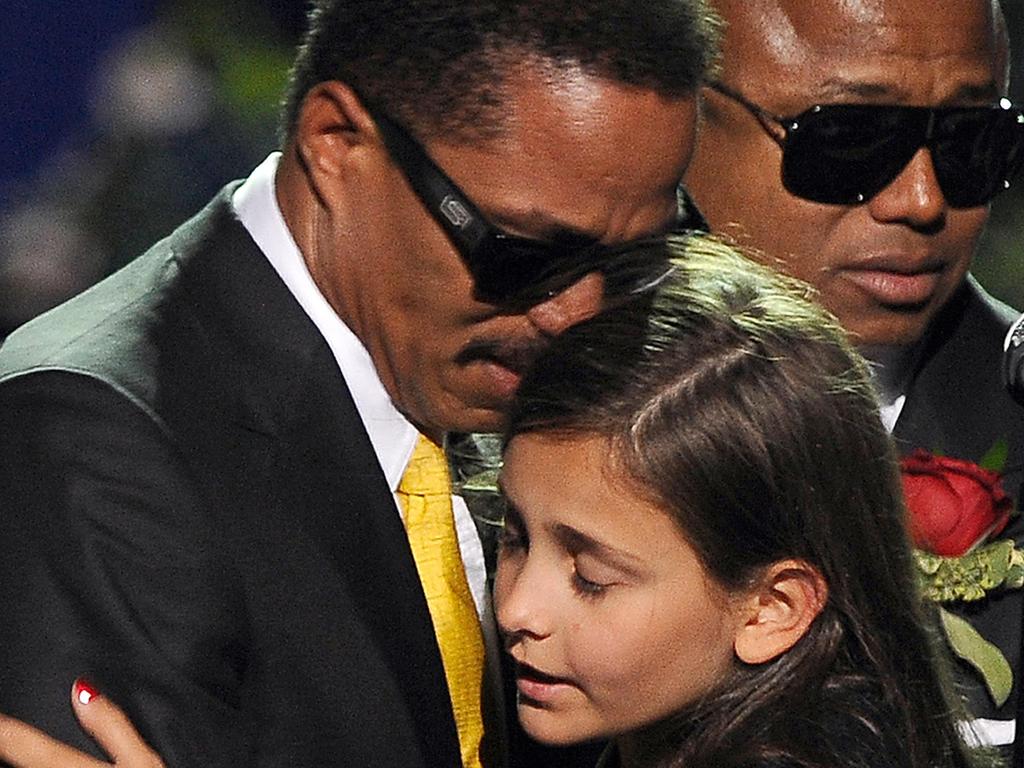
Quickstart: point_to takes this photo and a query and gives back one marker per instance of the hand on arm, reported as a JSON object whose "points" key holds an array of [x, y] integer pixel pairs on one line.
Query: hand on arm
{"points": [[23, 746]]}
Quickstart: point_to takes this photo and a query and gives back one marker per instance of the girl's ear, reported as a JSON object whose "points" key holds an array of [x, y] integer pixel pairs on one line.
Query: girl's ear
{"points": [[779, 611]]}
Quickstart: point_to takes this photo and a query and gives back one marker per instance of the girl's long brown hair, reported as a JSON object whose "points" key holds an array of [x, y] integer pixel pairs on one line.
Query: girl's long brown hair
{"points": [[739, 406]]}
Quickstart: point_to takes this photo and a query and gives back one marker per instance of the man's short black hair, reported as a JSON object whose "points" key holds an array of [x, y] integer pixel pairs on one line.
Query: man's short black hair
{"points": [[438, 65]]}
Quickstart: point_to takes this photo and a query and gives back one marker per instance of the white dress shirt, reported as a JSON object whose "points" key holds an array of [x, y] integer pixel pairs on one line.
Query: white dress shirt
{"points": [[392, 435]]}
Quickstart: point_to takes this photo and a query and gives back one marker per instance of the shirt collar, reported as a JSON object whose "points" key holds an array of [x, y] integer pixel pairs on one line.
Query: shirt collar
{"points": [[891, 371], [392, 435]]}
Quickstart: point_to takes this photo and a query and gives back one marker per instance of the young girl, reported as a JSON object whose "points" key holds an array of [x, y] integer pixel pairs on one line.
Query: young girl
{"points": [[704, 555], [704, 558]]}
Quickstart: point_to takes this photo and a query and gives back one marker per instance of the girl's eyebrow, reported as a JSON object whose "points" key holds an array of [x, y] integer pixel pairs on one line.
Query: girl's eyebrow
{"points": [[577, 542]]}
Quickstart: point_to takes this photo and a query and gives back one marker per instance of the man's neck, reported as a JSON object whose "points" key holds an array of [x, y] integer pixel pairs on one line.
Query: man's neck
{"points": [[890, 369]]}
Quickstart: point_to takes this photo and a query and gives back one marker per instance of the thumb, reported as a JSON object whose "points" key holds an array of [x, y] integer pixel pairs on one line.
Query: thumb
{"points": [[110, 727]]}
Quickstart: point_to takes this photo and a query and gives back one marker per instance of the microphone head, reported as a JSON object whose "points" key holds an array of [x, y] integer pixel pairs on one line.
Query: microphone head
{"points": [[1013, 360]]}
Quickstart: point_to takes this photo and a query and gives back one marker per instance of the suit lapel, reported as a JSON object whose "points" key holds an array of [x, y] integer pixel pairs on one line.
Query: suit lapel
{"points": [[949, 404], [353, 512], [295, 394]]}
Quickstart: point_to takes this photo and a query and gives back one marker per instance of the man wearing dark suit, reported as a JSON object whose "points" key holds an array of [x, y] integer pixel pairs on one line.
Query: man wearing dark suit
{"points": [[880, 208], [199, 458]]}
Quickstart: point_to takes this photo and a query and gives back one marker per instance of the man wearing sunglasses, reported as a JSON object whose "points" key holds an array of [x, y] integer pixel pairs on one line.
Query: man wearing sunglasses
{"points": [[857, 145], [206, 479]]}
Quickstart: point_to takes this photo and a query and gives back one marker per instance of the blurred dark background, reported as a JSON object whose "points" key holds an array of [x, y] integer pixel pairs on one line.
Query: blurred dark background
{"points": [[123, 117]]}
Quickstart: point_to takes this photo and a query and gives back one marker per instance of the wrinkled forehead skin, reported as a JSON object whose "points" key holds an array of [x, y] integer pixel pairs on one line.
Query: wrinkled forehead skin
{"points": [[833, 43]]}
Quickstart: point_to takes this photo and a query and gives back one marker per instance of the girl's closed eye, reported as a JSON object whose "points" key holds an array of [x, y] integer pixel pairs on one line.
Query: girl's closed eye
{"points": [[590, 578], [586, 587]]}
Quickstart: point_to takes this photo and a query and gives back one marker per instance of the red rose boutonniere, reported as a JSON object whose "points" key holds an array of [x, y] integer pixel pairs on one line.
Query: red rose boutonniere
{"points": [[952, 504], [955, 510]]}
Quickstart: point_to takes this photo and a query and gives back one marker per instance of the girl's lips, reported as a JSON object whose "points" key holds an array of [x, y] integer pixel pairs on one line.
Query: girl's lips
{"points": [[538, 688]]}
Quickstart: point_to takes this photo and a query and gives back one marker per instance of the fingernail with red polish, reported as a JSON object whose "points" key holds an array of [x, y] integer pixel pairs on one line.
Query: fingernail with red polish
{"points": [[84, 691]]}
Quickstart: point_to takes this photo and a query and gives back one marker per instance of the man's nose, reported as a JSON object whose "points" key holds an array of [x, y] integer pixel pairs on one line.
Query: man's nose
{"points": [[578, 302], [914, 197]]}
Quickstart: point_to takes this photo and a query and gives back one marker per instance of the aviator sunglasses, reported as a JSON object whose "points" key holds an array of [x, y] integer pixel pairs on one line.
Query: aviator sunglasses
{"points": [[847, 153], [508, 269]]}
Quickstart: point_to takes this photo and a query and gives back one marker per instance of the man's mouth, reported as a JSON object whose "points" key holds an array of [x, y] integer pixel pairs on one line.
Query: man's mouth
{"points": [[503, 362], [515, 356], [897, 289], [897, 281]]}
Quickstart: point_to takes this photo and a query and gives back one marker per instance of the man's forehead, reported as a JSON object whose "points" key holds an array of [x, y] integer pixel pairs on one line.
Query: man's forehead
{"points": [[791, 31]]}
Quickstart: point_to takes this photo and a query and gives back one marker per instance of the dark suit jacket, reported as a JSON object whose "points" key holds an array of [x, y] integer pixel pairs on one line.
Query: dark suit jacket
{"points": [[191, 514], [957, 404]]}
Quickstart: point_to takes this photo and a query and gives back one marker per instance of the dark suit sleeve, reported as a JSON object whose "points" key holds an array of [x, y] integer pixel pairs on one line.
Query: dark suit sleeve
{"points": [[111, 568]]}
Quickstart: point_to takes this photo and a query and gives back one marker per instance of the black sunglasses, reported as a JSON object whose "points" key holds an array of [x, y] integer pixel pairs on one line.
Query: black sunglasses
{"points": [[847, 153], [508, 269]]}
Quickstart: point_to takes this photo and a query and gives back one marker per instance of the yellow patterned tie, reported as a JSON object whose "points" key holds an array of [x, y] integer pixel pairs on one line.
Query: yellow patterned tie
{"points": [[425, 494]]}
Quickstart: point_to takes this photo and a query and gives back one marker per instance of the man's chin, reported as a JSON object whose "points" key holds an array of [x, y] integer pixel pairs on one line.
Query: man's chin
{"points": [[478, 400], [476, 412], [899, 327], [480, 420]]}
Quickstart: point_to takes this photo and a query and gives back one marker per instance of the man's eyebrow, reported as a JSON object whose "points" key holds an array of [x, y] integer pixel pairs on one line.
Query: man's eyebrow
{"points": [[988, 93], [560, 234], [538, 226], [843, 89]]}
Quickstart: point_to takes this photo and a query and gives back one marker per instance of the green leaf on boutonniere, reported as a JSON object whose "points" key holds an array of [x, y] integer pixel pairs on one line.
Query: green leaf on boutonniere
{"points": [[971, 576], [995, 458], [985, 657]]}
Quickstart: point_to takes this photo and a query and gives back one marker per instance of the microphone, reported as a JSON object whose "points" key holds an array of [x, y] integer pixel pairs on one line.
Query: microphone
{"points": [[1013, 360]]}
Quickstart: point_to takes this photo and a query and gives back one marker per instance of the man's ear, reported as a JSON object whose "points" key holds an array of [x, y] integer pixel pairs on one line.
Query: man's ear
{"points": [[333, 129], [778, 612]]}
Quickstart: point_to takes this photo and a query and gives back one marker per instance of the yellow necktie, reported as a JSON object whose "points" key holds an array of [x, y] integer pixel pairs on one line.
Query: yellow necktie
{"points": [[425, 494]]}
